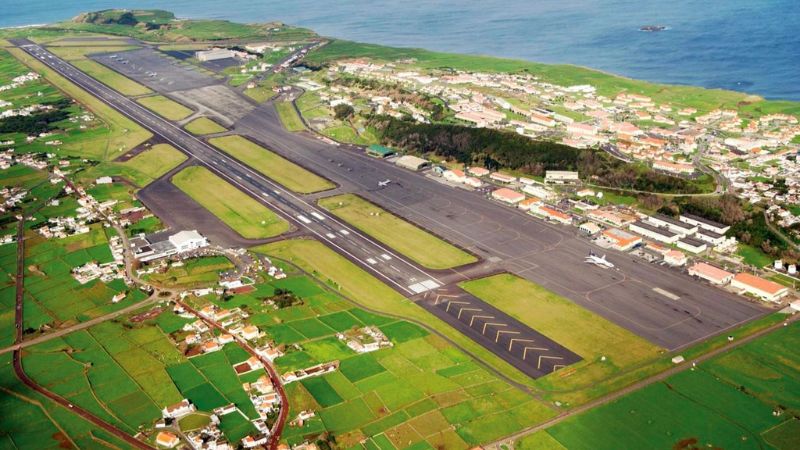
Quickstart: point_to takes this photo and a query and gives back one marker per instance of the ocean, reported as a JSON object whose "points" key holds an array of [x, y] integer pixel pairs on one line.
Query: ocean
{"points": [[745, 45]]}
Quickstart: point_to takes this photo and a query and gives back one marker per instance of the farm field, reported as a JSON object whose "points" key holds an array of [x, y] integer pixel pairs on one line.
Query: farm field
{"points": [[368, 291], [726, 402], [204, 125], [53, 296], [193, 272], [145, 167], [238, 210], [291, 121], [404, 237], [32, 421], [120, 134], [164, 107], [569, 324], [283, 171], [420, 392]]}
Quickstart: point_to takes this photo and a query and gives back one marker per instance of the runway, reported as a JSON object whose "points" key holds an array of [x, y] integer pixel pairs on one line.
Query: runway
{"points": [[632, 295]]}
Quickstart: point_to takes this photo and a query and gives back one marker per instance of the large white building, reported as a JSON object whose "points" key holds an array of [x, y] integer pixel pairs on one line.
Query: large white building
{"points": [[156, 246], [704, 223], [761, 288], [653, 232], [214, 54], [676, 226], [561, 176]]}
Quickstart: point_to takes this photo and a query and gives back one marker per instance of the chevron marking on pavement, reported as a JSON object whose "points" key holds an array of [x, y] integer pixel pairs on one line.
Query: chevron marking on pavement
{"points": [[525, 352], [466, 309], [494, 324], [539, 364], [499, 332], [458, 303], [479, 317]]}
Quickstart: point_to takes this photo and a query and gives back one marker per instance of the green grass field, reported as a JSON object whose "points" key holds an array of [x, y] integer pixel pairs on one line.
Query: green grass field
{"points": [[422, 391], [753, 256], [726, 402], [204, 125], [291, 121], [270, 164], [238, 210], [112, 79], [404, 237], [164, 107], [370, 292], [121, 134], [194, 272], [26, 413], [145, 167], [573, 326]]}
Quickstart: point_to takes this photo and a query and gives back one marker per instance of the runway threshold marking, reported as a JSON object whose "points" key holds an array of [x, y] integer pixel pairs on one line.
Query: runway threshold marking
{"points": [[667, 294], [447, 309], [466, 309], [511, 342], [499, 332], [494, 324], [539, 364], [478, 316], [525, 351]]}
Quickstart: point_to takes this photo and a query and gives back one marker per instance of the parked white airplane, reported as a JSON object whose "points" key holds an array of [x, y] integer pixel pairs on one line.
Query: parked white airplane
{"points": [[598, 261], [384, 183]]}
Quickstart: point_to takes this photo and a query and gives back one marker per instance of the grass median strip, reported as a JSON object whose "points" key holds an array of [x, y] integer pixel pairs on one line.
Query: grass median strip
{"points": [[165, 107], [238, 210], [283, 171], [366, 290], [408, 239], [124, 133], [567, 323], [288, 115], [114, 80], [204, 125]]}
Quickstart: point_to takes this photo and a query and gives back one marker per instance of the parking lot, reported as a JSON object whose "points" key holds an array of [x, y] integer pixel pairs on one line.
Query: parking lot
{"points": [[156, 70]]}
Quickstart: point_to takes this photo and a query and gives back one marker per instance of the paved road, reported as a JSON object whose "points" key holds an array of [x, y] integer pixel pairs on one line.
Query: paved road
{"points": [[17, 355], [638, 385], [394, 269], [405, 276], [283, 412], [549, 255]]}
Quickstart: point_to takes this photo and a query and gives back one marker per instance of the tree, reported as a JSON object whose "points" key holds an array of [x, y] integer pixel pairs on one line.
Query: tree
{"points": [[343, 111]]}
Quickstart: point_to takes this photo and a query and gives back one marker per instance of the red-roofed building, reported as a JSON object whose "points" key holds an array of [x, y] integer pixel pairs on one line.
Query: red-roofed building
{"points": [[710, 273], [759, 287], [508, 196]]}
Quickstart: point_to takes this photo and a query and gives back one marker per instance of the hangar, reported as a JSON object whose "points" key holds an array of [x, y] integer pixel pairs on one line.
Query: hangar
{"points": [[412, 162]]}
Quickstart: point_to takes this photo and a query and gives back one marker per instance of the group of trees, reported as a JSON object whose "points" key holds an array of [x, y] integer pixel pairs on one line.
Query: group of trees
{"points": [[495, 149], [37, 123]]}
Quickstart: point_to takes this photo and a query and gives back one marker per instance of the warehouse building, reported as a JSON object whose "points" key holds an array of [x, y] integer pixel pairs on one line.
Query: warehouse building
{"points": [[507, 195], [162, 245], [214, 54], [710, 273], [561, 176], [761, 288], [692, 245], [412, 162], [675, 258], [676, 226], [502, 178], [620, 239], [653, 232], [478, 171], [704, 223], [379, 151], [710, 237]]}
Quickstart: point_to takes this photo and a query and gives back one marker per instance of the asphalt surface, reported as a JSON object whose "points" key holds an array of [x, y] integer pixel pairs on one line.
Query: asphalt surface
{"points": [[374, 257], [550, 255], [401, 274], [170, 74], [531, 352]]}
